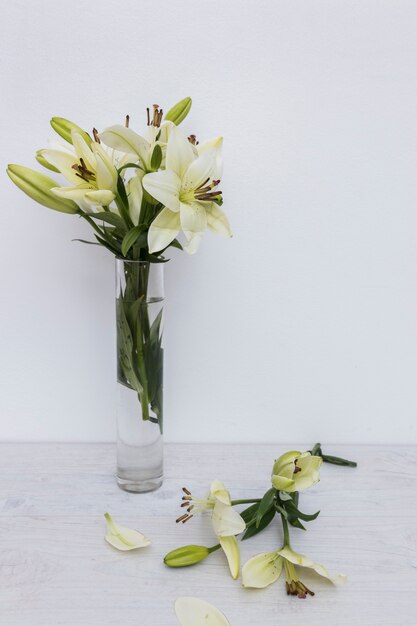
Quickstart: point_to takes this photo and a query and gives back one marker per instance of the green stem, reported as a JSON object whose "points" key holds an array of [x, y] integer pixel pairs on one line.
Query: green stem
{"points": [[214, 548], [235, 502], [334, 460], [144, 400], [286, 531]]}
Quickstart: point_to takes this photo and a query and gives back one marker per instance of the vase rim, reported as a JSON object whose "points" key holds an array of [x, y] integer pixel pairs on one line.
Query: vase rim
{"points": [[120, 258]]}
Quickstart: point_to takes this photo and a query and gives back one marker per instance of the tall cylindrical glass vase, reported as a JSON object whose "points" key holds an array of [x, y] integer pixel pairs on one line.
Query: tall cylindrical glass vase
{"points": [[139, 309]]}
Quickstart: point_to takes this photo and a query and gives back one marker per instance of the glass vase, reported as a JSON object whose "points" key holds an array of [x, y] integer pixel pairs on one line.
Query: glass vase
{"points": [[139, 309]]}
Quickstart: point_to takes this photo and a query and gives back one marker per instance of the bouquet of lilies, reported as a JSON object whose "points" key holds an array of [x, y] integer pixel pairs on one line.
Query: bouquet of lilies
{"points": [[138, 193]]}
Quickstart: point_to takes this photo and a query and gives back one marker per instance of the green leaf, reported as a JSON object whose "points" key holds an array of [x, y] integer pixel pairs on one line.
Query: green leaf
{"points": [[297, 524], [176, 244], [125, 348], [253, 530], [130, 238], [110, 218], [296, 513], [250, 512], [91, 243], [156, 158], [113, 249], [265, 504], [155, 328]]}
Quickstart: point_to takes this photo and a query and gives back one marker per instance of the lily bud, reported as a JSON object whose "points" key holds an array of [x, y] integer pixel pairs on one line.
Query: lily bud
{"points": [[179, 111], [64, 129], [38, 187], [187, 555], [41, 159]]}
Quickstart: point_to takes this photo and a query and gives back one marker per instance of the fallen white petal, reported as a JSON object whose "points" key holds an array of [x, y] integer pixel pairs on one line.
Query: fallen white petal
{"points": [[124, 538], [195, 612]]}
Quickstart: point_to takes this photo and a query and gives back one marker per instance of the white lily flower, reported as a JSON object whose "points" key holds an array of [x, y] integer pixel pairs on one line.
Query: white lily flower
{"points": [[195, 612], [187, 189], [225, 520], [90, 168], [295, 471], [265, 568], [124, 538], [141, 148]]}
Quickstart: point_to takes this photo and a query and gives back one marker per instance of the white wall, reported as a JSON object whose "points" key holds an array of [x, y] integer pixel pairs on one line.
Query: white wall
{"points": [[302, 327]]}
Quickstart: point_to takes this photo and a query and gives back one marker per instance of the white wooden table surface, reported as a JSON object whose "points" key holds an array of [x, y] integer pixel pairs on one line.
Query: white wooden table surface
{"points": [[56, 569]]}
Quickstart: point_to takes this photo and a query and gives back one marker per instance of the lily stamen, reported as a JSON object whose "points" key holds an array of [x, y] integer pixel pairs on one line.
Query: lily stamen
{"points": [[83, 172], [157, 116], [127, 120], [183, 518], [193, 140], [96, 137], [297, 588]]}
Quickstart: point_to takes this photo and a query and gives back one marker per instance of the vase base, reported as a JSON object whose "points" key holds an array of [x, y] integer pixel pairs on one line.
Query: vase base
{"points": [[139, 486]]}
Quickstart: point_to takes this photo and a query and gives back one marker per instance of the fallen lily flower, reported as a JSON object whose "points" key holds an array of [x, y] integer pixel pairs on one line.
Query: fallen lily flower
{"points": [[124, 538], [264, 569], [296, 471], [195, 612], [226, 522]]}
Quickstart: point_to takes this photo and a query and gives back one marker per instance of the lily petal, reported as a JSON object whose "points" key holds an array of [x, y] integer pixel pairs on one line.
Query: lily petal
{"points": [[125, 140], [217, 221], [179, 152], [124, 538], [73, 193], [217, 144], [230, 547], [165, 187], [83, 150], [100, 197], [284, 460], [195, 612], [226, 521], [193, 219], [262, 570], [163, 230], [199, 171], [286, 484], [106, 173], [63, 161], [305, 561], [135, 193], [219, 492]]}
